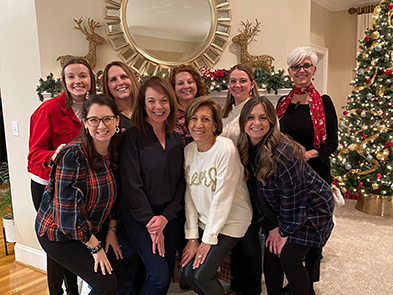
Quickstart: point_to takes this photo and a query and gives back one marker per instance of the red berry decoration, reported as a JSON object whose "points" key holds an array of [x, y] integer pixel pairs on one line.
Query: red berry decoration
{"points": [[367, 38], [364, 136], [379, 175], [388, 72], [390, 5], [345, 113]]}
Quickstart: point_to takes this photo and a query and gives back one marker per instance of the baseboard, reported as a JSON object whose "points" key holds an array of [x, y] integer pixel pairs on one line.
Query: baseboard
{"points": [[30, 256]]}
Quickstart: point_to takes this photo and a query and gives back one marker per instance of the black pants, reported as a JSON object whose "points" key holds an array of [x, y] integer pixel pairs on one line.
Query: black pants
{"points": [[290, 262], [203, 280], [55, 272], [246, 262]]}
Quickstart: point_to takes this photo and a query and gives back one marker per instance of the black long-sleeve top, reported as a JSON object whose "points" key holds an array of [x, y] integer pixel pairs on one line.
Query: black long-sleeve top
{"points": [[297, 123], [152, 178]]}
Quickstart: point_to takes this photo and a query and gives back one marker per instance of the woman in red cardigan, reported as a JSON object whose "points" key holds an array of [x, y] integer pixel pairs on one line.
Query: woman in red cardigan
{"points": [[53, 124]]}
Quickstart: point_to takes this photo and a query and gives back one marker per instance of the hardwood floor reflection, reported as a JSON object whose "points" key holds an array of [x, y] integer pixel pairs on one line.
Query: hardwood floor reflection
{"points": [[16, 278]]}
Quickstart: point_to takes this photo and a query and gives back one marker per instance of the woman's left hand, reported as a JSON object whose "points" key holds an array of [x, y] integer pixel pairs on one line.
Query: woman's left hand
{"points": [[201, 254], [111, 240], [156, 224], [275, 242], [311, 154]]}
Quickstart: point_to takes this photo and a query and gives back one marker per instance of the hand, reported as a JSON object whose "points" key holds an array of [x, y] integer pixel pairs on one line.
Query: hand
{"points": [[273, 240], [201, 254], [111, 240], [158, 243], [156, 224], [189, 252], [311, 154], [57, 151], [101, 260]]}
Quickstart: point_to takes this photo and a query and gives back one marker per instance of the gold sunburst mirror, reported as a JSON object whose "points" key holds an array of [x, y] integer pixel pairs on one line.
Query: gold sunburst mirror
{"points": [[155, 35]]}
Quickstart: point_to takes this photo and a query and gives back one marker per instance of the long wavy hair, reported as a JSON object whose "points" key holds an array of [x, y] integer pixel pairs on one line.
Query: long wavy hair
{"points": [[130, 74], [94, 158], [267, 155], [230, 99], [201, 88], [77, 60]]}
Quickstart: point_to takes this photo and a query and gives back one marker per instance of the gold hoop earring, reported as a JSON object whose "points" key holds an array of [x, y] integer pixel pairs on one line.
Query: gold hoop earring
{"points": [[117, 130]]}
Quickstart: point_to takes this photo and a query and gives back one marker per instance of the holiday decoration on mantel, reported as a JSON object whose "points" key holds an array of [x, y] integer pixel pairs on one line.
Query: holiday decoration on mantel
{"points": [[93, 38], [243, 39], [363, 162]]}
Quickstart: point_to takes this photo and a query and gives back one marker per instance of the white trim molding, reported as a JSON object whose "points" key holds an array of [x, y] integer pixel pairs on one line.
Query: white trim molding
{"points": [[30, 256]]}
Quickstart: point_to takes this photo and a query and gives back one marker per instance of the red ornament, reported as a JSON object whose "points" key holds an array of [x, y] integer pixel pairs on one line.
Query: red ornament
{"points": [[379, 175], [364, 136], [345, 113], [360, 184], [390, 5], [368, 80], [367, 38], [391, 144], [391, 104], [375, 100], [388, 72], [386, 144]]}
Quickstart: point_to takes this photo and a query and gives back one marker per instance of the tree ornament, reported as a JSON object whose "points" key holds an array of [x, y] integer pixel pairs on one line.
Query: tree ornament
{"points": [[379, 156], [378, 48], [345, 113], [388, 72], [391, 144], [334, 161], [375, 35], [363, 114], [378, 175], [391, 186], [360, 72], [342, 125], [360, 184], [344, 190], [368, 80], [348, 166], [364, 136], [375, 185], [390, 5], [376, 124], [367, 38], [369, 158], [369, 95], [351, 147]]}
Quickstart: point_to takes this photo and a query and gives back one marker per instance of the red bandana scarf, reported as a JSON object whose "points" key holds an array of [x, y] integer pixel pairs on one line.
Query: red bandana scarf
{"points": [[317, 112]]}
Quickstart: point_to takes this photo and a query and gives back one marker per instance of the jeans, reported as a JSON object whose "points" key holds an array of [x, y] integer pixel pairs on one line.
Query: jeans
{"points": [[203, 280], [159, 269]]}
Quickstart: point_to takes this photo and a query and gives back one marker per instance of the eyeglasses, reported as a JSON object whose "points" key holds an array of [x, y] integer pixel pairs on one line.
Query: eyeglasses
{"points": [[297, 68], [94, 121]]}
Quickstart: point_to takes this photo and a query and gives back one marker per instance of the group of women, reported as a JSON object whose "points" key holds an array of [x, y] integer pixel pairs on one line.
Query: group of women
{"points": [[158, 168]]}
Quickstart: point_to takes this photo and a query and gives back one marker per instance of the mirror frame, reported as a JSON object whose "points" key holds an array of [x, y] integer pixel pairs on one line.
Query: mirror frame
{"points": [[145, 64]]}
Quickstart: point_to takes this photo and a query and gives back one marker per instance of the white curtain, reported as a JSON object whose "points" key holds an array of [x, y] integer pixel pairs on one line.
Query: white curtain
{"points": [[364, 20]]}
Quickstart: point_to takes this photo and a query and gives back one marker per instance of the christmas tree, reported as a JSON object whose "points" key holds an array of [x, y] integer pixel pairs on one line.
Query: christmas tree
{"points": [[363, 161]]}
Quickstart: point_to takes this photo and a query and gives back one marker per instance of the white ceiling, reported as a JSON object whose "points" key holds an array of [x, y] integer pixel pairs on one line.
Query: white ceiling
{"points": [[336, 5]]}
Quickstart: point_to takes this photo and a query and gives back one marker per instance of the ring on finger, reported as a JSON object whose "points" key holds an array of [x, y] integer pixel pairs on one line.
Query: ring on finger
{"points": [[200, 256]]}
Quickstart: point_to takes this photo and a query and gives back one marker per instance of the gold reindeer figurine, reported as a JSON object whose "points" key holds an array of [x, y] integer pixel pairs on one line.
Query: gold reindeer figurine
{"points": [[243, 39], [94, 40]]}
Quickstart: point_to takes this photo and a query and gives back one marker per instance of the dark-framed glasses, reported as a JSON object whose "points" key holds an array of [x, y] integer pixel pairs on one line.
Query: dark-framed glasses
{"points": [[297, 68], [94, 121]]}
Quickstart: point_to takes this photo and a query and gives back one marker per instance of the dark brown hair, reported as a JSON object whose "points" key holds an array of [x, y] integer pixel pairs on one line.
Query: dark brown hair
{"points": [[94, 158], [268, 157], [77, 60], [230, 99], [130, 74], [138, 118], [213, 105], [201, 88]]}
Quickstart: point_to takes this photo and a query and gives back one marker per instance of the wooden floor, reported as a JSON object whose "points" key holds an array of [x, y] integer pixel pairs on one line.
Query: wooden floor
{"points": [[16, 278]]}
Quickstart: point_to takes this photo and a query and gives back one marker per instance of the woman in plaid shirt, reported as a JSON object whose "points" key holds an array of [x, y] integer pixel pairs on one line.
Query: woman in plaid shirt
{"points": [[79, 197], [295, 202]]}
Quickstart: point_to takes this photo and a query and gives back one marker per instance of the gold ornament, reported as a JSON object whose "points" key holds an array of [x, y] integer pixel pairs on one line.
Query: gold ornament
{"points": [[385, 153], [344, 190], [351, 147], [375, 185], [381, 91], [375, 35], [379, 112], [380, 156], [243, 39]]}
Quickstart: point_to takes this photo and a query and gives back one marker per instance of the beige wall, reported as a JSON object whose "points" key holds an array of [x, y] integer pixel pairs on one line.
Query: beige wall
{"points": [[37, 32]]}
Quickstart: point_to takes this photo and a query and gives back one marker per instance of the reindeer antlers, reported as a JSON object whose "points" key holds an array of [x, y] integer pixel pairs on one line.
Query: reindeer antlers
{"points": [[92, 25], [249, 31]]}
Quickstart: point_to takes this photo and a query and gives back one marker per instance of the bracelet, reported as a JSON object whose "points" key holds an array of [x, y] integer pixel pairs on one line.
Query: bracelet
{"points": [[96, 249], [112, 228]]}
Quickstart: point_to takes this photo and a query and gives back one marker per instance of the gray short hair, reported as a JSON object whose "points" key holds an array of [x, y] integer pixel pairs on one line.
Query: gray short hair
{"points": [[300, 53]]}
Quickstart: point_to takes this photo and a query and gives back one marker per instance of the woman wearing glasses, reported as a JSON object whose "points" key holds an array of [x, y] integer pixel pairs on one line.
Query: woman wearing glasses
{"points": [[71, 221], [311, 120]]}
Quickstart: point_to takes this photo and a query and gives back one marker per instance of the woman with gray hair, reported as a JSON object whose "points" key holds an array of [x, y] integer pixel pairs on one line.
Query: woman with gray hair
{"points": [[310, 119]]}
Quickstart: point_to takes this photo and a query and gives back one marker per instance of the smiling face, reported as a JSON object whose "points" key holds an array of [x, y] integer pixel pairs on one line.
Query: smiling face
{"points": [[240, 85], [77, 81], [257, 124], [157, 106], [101, 134], [185, 88], [302, 77], [119, 84], [202, 126]]}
